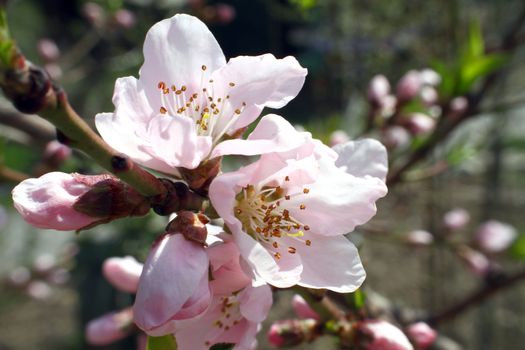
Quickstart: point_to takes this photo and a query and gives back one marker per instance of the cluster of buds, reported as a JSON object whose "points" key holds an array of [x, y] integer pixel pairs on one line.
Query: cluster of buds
{"points": [[99, 17]]}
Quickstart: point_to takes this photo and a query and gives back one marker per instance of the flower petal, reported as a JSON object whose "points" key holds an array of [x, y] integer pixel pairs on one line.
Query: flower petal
{"points": [[256, 303], [362, 158], [331, 263]]}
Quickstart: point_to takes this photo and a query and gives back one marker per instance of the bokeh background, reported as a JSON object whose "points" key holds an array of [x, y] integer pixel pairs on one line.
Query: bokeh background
{"points": [[50, 281]]}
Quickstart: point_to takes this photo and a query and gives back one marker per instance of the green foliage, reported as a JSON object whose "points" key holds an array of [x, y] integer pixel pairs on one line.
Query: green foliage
{"points": [[166, 342], [356, 300], [517, 249], [304, 5]]}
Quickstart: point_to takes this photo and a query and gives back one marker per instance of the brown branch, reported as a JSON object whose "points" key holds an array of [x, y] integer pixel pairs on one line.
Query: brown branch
{"points": [[11, 175], [39, 130]]}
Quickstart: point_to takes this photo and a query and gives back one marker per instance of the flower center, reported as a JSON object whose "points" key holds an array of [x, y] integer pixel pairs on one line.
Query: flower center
{"points": [[212, 114], [229, 316], [264, 216]]}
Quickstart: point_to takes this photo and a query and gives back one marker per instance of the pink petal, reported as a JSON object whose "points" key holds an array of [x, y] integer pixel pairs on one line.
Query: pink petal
{"points": [[332, 263], [362, 158], [256, 303], [227, 273], [123, 273], [47, 202], [173, 274], [109, 328], [174, 139], [302, 309], [175, 50]]}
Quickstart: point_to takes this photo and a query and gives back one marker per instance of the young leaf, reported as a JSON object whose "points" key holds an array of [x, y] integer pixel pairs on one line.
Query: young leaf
{"points": [[166, 342]]}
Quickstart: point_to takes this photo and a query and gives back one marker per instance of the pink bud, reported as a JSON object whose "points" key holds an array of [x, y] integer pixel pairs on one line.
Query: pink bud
{"points": [[225, 13], [409, 86], [458, 106], [47, 202], [430, 77], [378, 90], [456, 219], [429, 96], [48, 50], [19, 276], [302, 309], [419, 123], [395, 136], [494, 236], [44, 263], [94, 13], [421, 335], [124, 18], [338, 137], [292, 332], [123, 273], [380, 335], [39, 290], [54, 70], [110, 327], [274, 336], [59, 276], [56, 153], [475, 261], [420, 238]]}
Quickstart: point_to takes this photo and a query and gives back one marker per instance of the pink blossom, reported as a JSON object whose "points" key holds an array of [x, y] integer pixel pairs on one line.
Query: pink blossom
{"points": [[419, 123], [378, 89], [381, 335], [48, 49], [302, 309], [474, 260], [173, 285], [56, 153], [456, 219], [110, 327], [238, 305], [421, 335], [123, 273], [420, 237], [494, 236], [124, 18], [409, 86], [19, 276], [429, 77], [188, 99], [395, 136], [289, 210], [429, 95], [47, 202], [39, 290]]}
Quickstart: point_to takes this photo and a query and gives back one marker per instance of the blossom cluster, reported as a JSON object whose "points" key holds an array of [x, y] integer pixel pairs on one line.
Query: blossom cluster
{"points": [[285, 215]]}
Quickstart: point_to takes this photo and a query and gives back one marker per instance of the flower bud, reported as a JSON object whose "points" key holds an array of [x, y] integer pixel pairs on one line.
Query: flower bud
{"points": [[429, 96], [19, 276], [494, 236], [48, 50], [225, 13], [420, 238], [429, 77], [338, 137], [395, 136], [110, 327], [123, 273], [456, 219], [56, 153], [124, 18], [457, 107], [94, 13], [293, 332], [380, 335], [378, 90], [475, 261], [419, 123], [421, 335], [39, 290], [44, 263], [409, 86], [302, 309]]}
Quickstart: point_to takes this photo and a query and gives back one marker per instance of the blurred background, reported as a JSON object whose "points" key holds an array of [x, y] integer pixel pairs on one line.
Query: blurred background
{"points": [[425, 250]]}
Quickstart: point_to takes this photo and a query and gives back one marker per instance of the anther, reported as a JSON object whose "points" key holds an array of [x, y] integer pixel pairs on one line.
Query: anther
{"points": [[232, 84], [287, 197], [287, 178], [275, 245], [306, 227], [291, 250], [302, 207], [277, 255], [203, 67], [308, 242], [237, 111], [161, 85], [163, 110], [306, 190], [183, 88]]}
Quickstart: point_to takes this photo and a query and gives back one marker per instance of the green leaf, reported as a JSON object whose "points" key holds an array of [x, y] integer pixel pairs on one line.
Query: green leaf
{"points": [[356, 300], [475, 43], [517, 250], [166, 342], [477, 68], [448, 78]]}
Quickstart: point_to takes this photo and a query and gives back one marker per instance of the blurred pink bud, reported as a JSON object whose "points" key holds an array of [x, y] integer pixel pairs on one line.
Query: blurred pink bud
{"points": [[225, 13], [409, 86], [94, 13], [380, 335], [48, 50], [54, 70], [44, 263], [302, 309], [56, 153], [419, 123], [421, 335], [494, 236], [456, 219], [420, 237], [124, 18], [38, 290], [59, 276], [19, 276], [395, 136], [338, 137], [123, 273], [458, 106], [430, 77], [292, 332], [110, 327], [378, 90], [475, 261], [429, 96]]}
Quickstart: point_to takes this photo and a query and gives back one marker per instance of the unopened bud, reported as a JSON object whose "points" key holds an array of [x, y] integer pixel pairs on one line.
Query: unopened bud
{"points": [[39, 290], [302, 309], [378, 90], [430, 77], [475, 261], [409, 86], [429, 96], [19, 277], [110, 327], [124, 18], [293, 332], [395, 136], [225, 13], [94, 13], [338, 137], [56, 153], [191, 225], [456, 219], [494, 236], [379, 335], [123, 273], [44, 263], [457, 107], [421, 335], [419, 123], [420, 238], [48, 50]]}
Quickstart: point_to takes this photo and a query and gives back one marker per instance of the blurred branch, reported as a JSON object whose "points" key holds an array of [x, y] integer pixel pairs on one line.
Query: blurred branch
{"points": [[10, 175], [38, 129]]}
